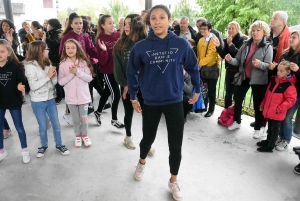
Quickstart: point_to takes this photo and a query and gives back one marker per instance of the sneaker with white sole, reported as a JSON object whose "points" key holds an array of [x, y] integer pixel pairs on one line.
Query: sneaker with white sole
{"points": [[278, 141], [129, 143], [234, 126], [256, 134], [68, 119], [139, 171], [151, 151], [3, 154], [41, 151], [86, 141], [97, 117], [6, 133], [117, 124], [26, 157], [63, 150], [282, 145], [176, 191], [78, 142]]}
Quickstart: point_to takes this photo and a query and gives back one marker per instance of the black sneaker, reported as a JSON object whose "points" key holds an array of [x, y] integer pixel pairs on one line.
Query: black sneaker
{"points": [[97, 117], [90, 108], [63, 150], [252, 124], [263, 143], [265, 149], [57, 101], [41, 151], [297, 169], [117, 124], [106, 106]]}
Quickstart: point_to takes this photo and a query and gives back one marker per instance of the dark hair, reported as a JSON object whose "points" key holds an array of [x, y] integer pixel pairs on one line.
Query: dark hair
{"points": [[101, 20], [54, 23], [72, 16], [206, 24], [156, 7], [10, 24], [83, 17], [137, 32], [85, 26], [36, 25]]}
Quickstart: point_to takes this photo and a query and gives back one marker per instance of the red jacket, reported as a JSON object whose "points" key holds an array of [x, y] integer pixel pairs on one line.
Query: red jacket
{"points": [[284, 42], [280, 96]]}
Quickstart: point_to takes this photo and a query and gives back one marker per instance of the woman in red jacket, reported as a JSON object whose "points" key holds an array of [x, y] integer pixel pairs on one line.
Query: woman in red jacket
{"points": [[280, 96]]}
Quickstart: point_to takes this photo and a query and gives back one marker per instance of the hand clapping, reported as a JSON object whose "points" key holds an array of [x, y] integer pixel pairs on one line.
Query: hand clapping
{"points": [[228, 57], [256, 62], [52, 72], [73, 68]]}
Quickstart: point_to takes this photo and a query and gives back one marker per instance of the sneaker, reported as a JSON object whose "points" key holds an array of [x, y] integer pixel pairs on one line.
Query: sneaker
{"points": [[297, 169], [91, 108], [117, 124], [6, 133], [151, 151], [265, 149], [234, 126], [139, 172], [176, 191], [252, 124], [68, 119], [63, 150], [278, 141], [282, 145], [86, 140], [98, 118], [106, 106], [3, 154], [256, 134], [263, 143], [58, 100], [129, 143], [41, 151], [78, 142], [26, 157]]}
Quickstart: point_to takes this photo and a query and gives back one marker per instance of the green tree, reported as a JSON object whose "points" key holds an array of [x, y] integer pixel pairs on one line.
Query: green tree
{"points": [[221, 12], [62, 14], [91, 8], [184, 9], [116, 9]]}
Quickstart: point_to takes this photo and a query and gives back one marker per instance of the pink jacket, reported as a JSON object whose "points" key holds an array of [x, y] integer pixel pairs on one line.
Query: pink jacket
{"points": [[76, 85]]}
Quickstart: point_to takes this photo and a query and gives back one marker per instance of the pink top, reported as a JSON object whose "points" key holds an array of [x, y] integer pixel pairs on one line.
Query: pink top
{"points": [[248, 66]]}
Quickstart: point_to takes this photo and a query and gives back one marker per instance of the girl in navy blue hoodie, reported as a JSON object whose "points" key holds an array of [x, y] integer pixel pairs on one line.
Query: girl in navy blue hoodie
{"points": [[157, 61]]}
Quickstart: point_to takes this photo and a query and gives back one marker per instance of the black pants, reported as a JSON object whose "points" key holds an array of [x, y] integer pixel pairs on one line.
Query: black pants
{"points": [[229, 87], [97, 82], [174, 120], [258, 92], [111, 88], [273, 131], [60, 93], [211, 94], [128, 109], [186, 106]]}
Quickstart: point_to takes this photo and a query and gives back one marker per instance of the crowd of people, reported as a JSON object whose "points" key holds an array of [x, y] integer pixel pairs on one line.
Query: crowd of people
{"points": [[155, 69]]}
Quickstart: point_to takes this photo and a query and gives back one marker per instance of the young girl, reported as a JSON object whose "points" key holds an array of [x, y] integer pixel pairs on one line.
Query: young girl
{"points": [[11, 88], [42, 80], [75, 73], [156, 65], [280, 96], [107, 36], [134, 31]]}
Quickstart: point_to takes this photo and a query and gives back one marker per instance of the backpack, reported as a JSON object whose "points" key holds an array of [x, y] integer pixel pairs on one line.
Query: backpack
{"points": [[226, 118]]}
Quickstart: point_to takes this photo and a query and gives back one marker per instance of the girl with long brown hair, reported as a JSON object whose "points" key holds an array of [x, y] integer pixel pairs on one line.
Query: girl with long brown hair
{"points": [[75, 73]]}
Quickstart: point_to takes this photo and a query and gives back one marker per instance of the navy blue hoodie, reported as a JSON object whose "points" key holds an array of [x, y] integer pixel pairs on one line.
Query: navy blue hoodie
{"points": [[157, 63]]}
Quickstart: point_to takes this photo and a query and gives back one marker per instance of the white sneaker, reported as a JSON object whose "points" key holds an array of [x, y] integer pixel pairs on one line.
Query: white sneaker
{"points": [[151, 151], [139, 172], [278, 141], [176, 191], [68, 119], [282, 145], [26, 157], [256, 134], [234, 126], [129, 143], [87, 141], [78, 142], [3, 155]]}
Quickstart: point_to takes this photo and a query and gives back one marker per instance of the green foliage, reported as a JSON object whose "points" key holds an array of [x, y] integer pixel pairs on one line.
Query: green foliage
{"points": [[62, 14], [116, 9], [221, 12], [184, 9], [91, 8]]}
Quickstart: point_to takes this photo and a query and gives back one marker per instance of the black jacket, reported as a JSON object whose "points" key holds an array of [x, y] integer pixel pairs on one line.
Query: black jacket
{"points": [[53, 42], [214, 31], [192, 31], [11, 75], [237, 43]]}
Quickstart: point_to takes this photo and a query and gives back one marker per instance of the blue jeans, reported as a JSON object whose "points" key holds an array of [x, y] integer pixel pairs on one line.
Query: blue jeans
{"points": [[40, 110], [286, 129], [6, 126], [17, 119]]}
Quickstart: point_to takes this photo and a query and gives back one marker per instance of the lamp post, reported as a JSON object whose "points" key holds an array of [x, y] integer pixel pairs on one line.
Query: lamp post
{"points": [[8, 10]]}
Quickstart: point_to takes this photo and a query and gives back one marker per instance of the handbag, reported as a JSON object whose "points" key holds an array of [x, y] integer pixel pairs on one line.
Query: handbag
{"points": [[238, 78], [210, 72]]}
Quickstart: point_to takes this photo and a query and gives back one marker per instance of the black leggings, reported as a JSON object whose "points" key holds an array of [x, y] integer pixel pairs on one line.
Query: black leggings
{"points": [[97, 82], [174, 120], [273, 131], [111, 88]]}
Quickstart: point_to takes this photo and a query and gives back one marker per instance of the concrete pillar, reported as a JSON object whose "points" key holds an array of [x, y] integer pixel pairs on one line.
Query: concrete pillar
{"points": [[148, 4], [8, 10]]}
